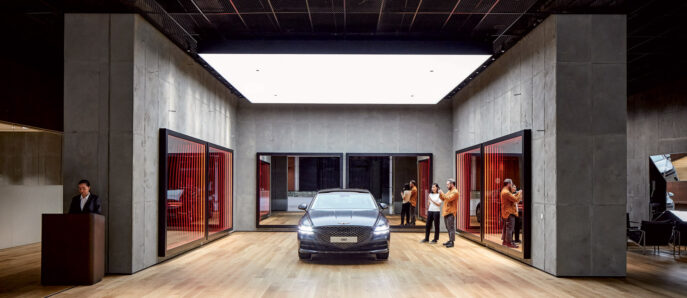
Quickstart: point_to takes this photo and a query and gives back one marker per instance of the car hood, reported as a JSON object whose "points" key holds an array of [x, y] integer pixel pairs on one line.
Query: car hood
{"points": [[343, 217]]}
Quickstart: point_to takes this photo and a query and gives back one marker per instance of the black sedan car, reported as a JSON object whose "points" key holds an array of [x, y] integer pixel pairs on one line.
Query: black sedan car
{"points": [[343, 221]]}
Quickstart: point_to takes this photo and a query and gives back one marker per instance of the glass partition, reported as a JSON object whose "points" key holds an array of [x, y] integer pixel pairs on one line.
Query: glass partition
{"points": [[185, 203], [386, 175], [286, 180], [490, 209], [220, 190], [503, 162], [469, 184], [195, 192]]}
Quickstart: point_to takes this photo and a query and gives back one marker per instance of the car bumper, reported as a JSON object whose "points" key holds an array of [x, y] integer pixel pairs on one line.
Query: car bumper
{"points": [[368, 247], [310, 251]]}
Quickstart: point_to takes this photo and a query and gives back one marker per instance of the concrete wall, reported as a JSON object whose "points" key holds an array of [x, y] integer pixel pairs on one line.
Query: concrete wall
{"points": [[566, 82], [124, 81], [336, 129], [655, 125], [30, 184]]}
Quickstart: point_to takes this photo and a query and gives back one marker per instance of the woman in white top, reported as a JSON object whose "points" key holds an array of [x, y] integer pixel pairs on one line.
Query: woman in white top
{"points": [[433, 211], [405, 207]]}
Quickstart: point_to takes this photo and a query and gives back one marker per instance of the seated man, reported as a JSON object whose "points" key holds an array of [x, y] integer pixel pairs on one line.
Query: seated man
{"points": [[85, 202]]}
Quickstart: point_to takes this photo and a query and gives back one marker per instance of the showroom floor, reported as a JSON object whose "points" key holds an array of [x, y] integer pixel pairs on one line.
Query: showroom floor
{"points": [[265, 265]]}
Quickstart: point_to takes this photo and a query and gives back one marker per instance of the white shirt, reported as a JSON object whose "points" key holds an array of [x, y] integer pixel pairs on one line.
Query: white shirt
{"points": [[83, 201], [434, 197], [406, 196]]}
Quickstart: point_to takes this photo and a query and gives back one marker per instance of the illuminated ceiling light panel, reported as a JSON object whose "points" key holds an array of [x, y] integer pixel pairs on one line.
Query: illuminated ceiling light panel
{"points": [[344, 78]]}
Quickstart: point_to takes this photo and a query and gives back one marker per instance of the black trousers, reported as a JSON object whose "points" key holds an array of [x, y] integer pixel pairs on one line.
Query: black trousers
{"points": [[411, 218], [508, 225], [432, 218], [405, 212], [518, 226], [450, 221]]}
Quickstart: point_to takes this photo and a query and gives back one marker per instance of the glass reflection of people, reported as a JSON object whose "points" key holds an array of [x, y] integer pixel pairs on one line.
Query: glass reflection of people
{"points": [[85, 202], [413, 201], [405, 207], [450, 200], [518, 224], [509, 211], [433, 209]]}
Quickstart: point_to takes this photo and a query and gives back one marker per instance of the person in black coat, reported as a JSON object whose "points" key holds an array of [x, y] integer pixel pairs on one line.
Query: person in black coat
{"points": [[85, 202]]}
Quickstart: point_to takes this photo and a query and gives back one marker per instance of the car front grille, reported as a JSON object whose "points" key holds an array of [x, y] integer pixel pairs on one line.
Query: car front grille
{"points": [[324, 234]]}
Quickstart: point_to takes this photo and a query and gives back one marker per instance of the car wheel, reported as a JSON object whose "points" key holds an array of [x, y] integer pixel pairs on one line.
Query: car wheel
{"points": [[304, 256], [383, 256]]}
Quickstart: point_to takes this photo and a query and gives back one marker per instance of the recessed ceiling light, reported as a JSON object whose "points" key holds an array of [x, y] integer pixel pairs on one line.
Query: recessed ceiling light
{"points": [[344, 78]]}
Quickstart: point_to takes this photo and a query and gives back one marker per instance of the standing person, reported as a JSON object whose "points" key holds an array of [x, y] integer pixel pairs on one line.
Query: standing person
{"points": [[413, 201], [433, 210], [85, 202], [509, 211], [450, 200], [405, 207]]}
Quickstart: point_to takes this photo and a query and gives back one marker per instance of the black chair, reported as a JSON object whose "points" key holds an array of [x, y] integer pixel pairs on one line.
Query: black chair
{"points": [[633, 233], [652, 233], [679, 236]]}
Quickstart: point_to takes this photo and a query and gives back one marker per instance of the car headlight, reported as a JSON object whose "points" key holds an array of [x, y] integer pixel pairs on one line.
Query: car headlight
{"points": [[305, 228], [382, 227]]}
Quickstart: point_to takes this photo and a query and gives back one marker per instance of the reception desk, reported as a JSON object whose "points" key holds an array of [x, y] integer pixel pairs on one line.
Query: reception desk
{"points": [[72, 249]]}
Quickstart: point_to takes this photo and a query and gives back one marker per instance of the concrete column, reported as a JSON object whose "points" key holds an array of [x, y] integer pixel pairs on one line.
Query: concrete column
{"points": [[123, 81], [591, 150], [98, 83]]}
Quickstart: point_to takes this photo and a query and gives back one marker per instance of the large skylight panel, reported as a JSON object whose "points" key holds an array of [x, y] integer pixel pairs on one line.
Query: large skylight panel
{"points": [[344, 78]]}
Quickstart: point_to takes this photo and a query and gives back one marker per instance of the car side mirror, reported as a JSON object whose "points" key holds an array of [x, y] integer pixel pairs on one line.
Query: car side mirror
{"points": [[303, 206], [383, 205]]}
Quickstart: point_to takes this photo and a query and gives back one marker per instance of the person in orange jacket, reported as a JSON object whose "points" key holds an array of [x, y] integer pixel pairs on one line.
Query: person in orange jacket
{"points": [[450, 209], [413, 201], [509, 211]]}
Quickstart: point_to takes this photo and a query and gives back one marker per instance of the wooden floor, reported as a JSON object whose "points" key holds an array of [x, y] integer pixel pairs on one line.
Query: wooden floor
{"points": [[264, 264], [20, 272], [395, 220], [290, 218]]}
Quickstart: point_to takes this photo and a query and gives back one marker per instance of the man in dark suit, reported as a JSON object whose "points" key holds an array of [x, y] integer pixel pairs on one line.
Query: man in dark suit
{"points": [[85, 202]]}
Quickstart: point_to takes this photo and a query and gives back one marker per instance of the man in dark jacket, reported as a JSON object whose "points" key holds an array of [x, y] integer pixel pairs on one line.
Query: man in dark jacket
{"points": [[85, 202]]}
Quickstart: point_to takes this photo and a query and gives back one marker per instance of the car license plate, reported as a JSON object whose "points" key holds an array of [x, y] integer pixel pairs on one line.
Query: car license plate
{"points": [[343, 239]]}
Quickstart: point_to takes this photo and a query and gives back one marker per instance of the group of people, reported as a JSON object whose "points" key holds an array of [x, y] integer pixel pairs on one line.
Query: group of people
{"points": [[509, 196]]}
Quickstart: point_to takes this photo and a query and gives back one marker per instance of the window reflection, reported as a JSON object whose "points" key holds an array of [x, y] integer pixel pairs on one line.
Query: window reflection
{"points": [[287, 180], [468, 181], [503, 160], [185, 191], [219, 190]]}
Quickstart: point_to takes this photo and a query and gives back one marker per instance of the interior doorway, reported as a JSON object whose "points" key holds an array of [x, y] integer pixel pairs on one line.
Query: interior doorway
{"points": [[286, 180], [386, 174]]}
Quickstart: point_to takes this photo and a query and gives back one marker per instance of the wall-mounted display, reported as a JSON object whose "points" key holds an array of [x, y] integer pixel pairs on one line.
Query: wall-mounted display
{"points": [[196, 191], [493, 179]]}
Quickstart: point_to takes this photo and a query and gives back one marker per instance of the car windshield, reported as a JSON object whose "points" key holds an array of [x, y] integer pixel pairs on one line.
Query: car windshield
{"points": [[344, 200]]}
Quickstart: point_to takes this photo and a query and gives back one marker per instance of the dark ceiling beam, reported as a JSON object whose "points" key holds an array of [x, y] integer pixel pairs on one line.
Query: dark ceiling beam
{"points": [[340, 12], [450, 14], [410, 27], [312, 26], [238, 13], [372, 45], [269, 2], [487, 14], [379, 19], [200, 11]]}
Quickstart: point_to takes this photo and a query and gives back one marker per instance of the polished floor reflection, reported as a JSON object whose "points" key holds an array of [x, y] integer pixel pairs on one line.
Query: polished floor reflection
{"points": [[265, 264]]}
